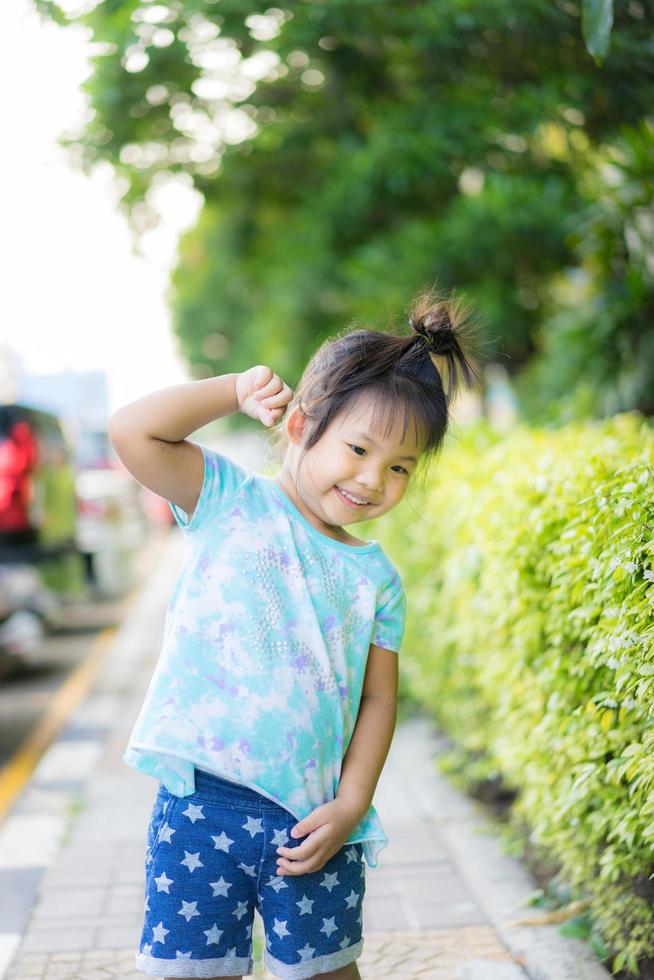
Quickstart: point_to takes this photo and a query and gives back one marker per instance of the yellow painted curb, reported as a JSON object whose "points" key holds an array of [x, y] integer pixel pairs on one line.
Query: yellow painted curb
{"points": [[16, 773], [22, 764]]}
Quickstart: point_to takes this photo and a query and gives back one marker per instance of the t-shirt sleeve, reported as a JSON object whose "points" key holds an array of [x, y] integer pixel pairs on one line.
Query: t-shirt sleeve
{"points": [[390, 617], [222, 478]]}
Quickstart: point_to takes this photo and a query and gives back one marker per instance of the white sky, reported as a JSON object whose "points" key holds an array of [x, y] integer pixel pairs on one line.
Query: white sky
{"points": [[73, 294]]}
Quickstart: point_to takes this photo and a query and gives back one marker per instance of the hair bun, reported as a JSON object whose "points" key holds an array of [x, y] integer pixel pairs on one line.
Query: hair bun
{"points": [[435, 328]]}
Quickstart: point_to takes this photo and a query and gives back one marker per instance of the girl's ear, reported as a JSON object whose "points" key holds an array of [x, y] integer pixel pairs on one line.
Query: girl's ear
{"points": [[295, 423]]}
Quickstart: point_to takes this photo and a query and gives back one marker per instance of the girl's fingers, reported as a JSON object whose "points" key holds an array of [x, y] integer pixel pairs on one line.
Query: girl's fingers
{"points": [[295, 867], [271, 388], [280, 398]]}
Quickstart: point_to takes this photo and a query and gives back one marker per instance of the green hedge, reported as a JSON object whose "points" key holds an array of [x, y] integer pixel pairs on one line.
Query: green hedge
{"points": [[529, 566]]}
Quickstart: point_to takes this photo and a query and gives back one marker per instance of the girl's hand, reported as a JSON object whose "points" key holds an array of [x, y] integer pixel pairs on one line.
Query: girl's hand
{"points": [[328, 827], [262, 394]]}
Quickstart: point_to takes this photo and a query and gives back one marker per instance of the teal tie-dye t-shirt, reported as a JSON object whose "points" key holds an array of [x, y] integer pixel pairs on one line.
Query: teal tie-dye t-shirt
{"points": [[266, 638]]}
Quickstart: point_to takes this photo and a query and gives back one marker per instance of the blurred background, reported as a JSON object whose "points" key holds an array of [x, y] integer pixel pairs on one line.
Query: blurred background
{"points": [[194, 187], [191, 187]]}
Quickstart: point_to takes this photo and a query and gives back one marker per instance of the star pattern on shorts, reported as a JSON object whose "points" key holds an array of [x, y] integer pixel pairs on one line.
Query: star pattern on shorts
{"points": [[188, 910], [352, 899], [163, 883], [159, 933], [222, 843], [306, 905], [165, 834], [306, 952], [277, 882], [253, 826], [192, 861], [163, 901], [193, 813], [220, 887], [330, 881], [280, 928], [213, 935], [240, 910]]}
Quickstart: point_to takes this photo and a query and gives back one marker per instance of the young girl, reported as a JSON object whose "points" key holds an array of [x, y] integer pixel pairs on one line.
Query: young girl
{"points": [[272, 707]]}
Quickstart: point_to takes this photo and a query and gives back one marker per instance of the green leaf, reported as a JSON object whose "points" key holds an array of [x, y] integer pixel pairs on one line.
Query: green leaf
{"points": [[596, 24]]}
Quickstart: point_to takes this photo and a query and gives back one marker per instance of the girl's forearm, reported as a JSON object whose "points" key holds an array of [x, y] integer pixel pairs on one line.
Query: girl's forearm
{"points": [[367, 751], [172, 414]]}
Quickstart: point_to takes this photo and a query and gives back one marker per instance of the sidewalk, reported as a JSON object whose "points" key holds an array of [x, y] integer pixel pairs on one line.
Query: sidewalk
{"points": [[442, 903]]}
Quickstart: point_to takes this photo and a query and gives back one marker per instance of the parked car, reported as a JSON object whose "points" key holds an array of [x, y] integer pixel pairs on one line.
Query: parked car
{"points": [[40, 564]]}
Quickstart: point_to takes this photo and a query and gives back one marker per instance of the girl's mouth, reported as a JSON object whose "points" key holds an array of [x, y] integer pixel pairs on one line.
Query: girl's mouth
{"points": [[350, 501]]}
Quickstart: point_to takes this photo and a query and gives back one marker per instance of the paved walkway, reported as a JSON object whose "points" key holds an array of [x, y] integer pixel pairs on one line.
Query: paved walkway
{"points": [[442, 903]]}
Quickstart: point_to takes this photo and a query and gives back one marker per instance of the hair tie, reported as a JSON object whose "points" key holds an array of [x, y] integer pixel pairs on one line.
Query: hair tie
{"points": [[423, 333]]}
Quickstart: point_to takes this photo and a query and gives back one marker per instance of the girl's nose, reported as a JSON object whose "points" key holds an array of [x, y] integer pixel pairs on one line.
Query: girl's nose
{"points": [[371, 480]]}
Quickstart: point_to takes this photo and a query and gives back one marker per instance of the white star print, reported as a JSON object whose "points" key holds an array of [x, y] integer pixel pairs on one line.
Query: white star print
{"points": [[277, 882], [194, 813], [306, 905], [240, 910], [222, 843], [147, 948], [182, 956], [213, 935], [165, 833], [220, 887], [231, 953], [328, 926], [280, 928], [253, 826], [146, 905], [188, 910], [360, 918], [249, 869], [352, 899], [279, 838], [248, 932], [192, 861], [159, 933], [330, 881], [306, 952], [351, 854], [163, 883], [345, 941]]}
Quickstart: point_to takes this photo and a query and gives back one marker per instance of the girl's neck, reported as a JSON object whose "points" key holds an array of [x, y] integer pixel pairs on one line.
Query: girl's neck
{"points": [[284, 480]]}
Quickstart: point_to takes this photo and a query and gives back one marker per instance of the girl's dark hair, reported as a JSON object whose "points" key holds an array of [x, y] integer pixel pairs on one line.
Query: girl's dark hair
{"points": [[395, 370]]}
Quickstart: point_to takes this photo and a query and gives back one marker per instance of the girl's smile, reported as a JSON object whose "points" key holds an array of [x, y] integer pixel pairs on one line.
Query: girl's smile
{"points": [[351, 470], [352, 500]]}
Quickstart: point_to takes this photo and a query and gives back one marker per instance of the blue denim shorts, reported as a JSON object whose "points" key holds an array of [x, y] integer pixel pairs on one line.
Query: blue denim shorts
{"points": [[211, 859]]}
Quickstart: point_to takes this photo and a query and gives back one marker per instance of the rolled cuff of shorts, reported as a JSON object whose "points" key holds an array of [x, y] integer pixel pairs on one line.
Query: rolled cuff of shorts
{"points": [[315, 966], [220, 966]]}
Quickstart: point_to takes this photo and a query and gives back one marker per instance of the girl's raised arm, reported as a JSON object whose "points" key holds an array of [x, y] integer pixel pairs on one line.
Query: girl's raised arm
{"points": [[149, 435]]}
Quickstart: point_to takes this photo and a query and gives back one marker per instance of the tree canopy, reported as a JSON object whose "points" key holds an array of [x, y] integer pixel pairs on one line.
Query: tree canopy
{"points": [[350, 152]]}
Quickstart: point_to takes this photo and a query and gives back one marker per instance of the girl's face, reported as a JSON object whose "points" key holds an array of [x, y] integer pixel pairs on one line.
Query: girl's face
{"points": [[352, 457]]}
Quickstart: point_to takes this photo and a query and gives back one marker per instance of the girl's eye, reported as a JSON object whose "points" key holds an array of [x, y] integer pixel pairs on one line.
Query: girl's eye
{"points": [[401, 468]]}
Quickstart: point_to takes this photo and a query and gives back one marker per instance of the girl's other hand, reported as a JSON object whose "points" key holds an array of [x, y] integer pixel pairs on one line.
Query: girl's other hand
{"points": [[262, 394]]}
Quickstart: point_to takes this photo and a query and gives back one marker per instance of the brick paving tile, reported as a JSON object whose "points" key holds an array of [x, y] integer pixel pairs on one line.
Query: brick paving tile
{"points": [[434, 954]]}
